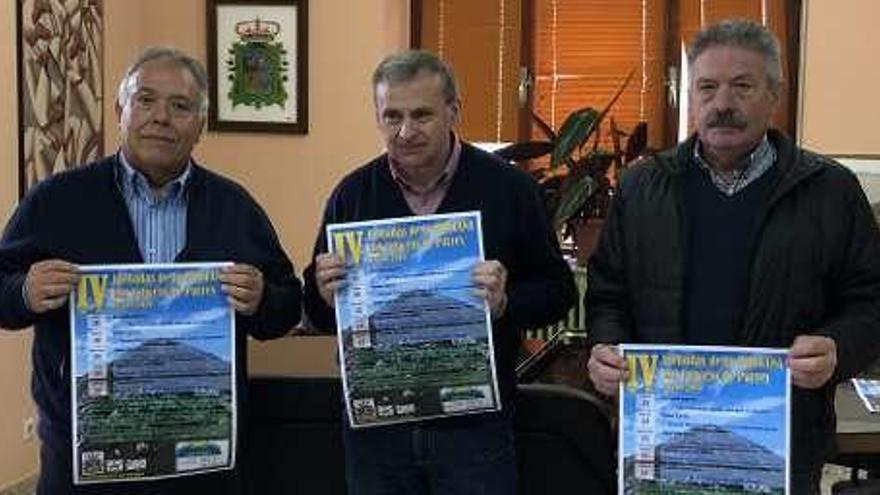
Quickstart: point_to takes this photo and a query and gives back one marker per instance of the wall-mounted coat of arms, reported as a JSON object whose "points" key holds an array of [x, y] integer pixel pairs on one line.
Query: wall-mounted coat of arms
{"points": [[257, 65]]}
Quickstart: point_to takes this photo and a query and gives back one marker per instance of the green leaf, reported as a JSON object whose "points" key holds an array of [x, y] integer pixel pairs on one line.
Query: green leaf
{"points": [[527, 150], [572, 199], [574, 131]]}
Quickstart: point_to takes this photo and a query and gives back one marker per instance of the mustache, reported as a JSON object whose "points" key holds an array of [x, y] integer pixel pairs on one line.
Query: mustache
{"points": [[727, 118]]}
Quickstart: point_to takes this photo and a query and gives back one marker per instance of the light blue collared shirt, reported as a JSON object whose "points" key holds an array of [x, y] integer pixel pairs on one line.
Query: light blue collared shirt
{"points": [[158, 217]]}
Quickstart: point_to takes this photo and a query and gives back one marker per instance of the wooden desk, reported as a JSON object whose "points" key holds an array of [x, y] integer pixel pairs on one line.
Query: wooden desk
{"points": [[858, 431]]}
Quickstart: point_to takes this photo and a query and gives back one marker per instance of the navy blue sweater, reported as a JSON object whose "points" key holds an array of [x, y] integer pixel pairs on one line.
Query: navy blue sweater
{"points": [[81, 217], [721, 237], [540, 286]]}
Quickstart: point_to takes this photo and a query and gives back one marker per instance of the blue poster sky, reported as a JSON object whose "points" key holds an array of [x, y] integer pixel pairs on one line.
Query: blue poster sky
{"points": [[203, 320], [442, 262], [757, 412]]}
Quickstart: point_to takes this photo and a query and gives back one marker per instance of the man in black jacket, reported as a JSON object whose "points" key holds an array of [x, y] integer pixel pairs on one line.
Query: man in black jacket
{"points": [[738, 237], [148, 203], [525, 281]]}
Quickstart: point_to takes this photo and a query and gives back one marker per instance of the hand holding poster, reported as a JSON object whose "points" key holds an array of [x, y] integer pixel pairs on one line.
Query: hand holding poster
{"points": [[709, 420], [153, 388], [414, 340]]}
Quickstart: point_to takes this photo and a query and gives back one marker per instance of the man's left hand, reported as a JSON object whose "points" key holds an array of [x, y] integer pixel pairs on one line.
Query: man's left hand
{"points": [[812, 360], [490, 277], [243, 286]]}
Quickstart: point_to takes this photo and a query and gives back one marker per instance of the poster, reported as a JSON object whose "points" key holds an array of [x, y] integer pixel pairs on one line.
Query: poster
{"points": [[706, 420], [868, 390], [153, 388], [415, 341]]}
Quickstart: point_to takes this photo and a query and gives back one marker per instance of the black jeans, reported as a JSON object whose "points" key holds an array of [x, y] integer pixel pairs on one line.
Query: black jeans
{"points": [[477, 458]]}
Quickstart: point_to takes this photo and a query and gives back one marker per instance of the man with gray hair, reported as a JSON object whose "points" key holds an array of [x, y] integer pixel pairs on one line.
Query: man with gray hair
{"points": [[148, 203], [739, 237], [427, 169]]}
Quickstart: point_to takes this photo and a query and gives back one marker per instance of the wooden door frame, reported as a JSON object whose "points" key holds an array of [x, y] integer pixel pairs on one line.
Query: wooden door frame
{"points": [[672, 56], [415, 24], [526, 59], [793, 50]]}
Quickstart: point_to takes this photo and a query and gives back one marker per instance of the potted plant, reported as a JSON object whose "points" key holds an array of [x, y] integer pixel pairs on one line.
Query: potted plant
{"points": [[579, 179]]}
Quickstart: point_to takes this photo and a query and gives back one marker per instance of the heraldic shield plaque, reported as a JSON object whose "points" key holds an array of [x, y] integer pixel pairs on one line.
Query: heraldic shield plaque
{"points": [[258, 65]]}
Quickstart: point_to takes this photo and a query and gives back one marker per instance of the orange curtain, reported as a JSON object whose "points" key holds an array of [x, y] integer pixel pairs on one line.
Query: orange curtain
{"points": [[582, 52]]}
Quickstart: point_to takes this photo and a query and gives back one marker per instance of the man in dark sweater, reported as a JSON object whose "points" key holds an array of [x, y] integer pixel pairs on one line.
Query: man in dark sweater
{"points": [[525, 281], [148, 203], [738, 237]]}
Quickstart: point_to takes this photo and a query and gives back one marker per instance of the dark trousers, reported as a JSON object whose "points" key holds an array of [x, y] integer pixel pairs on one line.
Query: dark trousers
{"points": [[439, 458], [56, 479], [806, 481]]}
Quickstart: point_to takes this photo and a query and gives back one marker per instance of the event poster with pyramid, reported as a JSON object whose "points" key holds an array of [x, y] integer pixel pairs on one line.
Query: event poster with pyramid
{"points": [[702, 419], [153, 382], [415, 341]]}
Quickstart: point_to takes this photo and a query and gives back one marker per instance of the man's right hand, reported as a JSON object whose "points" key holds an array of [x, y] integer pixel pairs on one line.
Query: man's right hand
{"points": [[48, 284], [329, 275], [607, 369]]}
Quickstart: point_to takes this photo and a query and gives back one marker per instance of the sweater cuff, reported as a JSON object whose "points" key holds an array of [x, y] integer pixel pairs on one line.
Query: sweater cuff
{"points": [[17, 311], [24, 297]]}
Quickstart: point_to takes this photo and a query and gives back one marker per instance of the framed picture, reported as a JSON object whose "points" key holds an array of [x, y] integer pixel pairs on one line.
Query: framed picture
{"points": [[59, 63], [258, 65]]}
